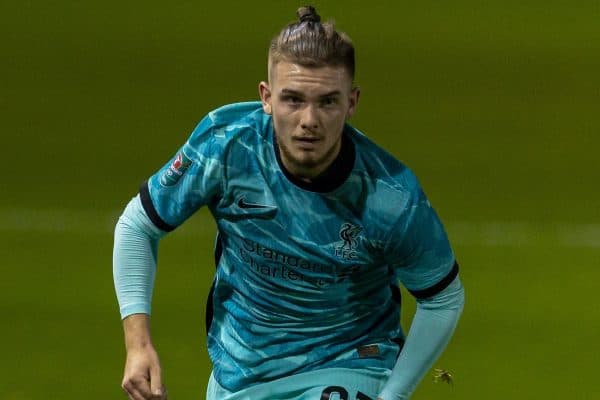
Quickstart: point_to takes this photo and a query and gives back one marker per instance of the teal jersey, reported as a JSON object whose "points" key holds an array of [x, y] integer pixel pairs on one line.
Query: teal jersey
{"points": [[306, 272]]}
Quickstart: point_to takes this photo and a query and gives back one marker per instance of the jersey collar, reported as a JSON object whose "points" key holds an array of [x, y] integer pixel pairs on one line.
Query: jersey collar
{"points": [[334, 176]]}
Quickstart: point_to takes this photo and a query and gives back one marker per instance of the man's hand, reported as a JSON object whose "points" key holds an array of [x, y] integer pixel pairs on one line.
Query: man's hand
{"points": [[142, 377]]}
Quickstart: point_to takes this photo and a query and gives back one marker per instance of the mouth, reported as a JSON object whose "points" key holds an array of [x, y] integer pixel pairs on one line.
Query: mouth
{"points": [[306, 142], [307, 138]]}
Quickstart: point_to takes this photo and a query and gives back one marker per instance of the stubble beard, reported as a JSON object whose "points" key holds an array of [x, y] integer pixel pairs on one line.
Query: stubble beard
{"points": [[309, 167]]}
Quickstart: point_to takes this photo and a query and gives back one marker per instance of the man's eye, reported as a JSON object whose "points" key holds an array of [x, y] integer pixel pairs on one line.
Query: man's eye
{"points": [[328, 101], [292, 99]]}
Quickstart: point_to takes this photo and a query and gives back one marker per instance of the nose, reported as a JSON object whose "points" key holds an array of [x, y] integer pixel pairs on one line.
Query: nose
{"points": [[309, 119]]}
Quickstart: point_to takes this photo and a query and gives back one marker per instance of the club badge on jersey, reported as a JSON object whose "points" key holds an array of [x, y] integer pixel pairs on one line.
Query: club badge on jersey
{"points": [[347, 247], [173, 174]]}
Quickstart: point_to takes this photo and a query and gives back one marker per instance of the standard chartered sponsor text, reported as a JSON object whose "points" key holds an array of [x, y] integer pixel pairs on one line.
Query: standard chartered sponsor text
{"points": [[273, 263]]}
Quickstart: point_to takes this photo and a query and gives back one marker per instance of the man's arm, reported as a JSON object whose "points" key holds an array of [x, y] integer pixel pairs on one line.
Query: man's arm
{"points": [[431, 329], [134, 266]]}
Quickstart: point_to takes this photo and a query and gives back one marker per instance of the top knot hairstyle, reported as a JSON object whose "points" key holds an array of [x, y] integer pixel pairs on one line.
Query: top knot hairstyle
{"points": [[310, 43], [308, 14]]}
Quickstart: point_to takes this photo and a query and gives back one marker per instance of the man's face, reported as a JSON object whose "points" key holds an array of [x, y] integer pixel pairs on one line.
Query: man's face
{"points": [[309, 108]]}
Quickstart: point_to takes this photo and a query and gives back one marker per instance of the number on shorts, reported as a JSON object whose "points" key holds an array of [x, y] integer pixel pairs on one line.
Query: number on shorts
{"points": [[362, 396], [343, 393]]}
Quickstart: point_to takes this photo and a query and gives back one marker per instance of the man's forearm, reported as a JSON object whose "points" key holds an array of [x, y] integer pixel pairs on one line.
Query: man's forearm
{"points": [[134, 259], [432, 327], [136, 328]]}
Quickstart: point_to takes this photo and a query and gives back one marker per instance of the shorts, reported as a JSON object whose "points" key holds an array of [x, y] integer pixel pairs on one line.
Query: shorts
{"points": [[323, 384]]}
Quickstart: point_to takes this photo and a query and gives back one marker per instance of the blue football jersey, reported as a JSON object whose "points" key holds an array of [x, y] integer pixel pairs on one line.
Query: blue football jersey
{"points": [[306, 273]]}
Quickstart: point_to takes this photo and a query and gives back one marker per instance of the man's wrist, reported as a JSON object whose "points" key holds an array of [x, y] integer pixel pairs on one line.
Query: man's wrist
{"points": [[136, 328]]}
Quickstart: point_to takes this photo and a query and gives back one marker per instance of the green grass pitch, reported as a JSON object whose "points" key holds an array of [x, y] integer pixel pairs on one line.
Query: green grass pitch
{"points": [[493, 105]]}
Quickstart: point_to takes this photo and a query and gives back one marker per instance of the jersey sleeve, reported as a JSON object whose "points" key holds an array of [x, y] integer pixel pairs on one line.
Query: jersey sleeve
{"points": [[191, 179], [419, 249]]}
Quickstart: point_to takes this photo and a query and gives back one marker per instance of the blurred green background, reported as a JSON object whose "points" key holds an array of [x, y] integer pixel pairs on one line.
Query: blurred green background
{"points": [[493, 104]]}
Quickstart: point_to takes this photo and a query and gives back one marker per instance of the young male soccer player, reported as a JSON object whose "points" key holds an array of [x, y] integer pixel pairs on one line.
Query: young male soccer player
{"points": [[316, 225]]}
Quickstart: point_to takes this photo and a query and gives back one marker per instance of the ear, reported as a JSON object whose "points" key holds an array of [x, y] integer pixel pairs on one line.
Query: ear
{"points": [[354, 95], [265, 96]]}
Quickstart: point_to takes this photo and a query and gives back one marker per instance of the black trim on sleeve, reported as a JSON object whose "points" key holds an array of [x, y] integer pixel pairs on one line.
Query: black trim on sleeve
{"points": [[438, 287], [151, 211]]}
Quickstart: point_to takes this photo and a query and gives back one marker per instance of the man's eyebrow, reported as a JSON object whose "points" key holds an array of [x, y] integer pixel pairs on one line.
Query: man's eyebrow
{"points": [[291, 91], [333, 93], [296, 93]]}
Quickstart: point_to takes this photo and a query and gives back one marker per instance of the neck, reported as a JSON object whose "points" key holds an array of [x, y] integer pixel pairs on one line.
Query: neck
{"points": [[310, 173], [325, 179]]}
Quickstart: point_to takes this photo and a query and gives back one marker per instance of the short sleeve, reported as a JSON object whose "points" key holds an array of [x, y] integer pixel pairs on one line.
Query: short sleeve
{"points": [[191, 179], [419, 249]]}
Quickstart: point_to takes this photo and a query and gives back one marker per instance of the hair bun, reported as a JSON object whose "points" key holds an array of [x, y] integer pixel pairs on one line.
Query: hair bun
{"points": [[308, 14]]}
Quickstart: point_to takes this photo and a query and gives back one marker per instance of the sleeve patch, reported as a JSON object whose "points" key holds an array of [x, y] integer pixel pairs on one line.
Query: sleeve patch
{"points": [[176, 170]]}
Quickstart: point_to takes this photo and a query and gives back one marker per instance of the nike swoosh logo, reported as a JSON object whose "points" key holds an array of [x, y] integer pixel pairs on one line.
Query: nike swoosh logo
{"points": [[243, 204]]}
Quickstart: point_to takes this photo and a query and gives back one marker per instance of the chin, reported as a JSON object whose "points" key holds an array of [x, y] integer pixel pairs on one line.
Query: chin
{"points": [[305, 163]]}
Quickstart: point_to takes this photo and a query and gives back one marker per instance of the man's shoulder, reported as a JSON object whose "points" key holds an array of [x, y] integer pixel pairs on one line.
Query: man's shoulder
{"points": [[229, 122], [240, 115]]}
